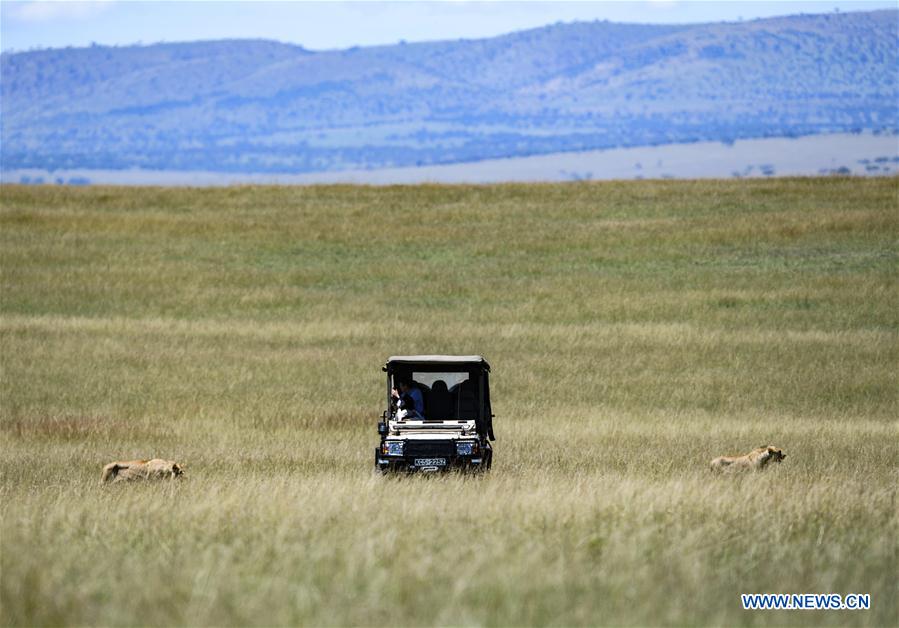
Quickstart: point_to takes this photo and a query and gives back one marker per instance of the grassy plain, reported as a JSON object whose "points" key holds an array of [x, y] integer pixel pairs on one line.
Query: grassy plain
{"points": [[636, 330]]}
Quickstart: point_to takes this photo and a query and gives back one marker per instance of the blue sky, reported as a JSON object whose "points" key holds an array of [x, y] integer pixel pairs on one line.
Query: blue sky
{"points": [[325, 25]]}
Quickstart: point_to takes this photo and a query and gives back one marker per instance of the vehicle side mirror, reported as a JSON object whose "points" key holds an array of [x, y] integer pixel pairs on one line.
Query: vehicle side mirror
{"points": [[382, 428]]}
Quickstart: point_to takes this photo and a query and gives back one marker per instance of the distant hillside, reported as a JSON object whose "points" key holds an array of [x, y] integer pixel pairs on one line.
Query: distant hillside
{"points": [[258, 106]]}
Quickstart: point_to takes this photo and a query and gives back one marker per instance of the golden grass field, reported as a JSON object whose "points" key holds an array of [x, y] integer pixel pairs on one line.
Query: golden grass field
{"points": [[636, 330]]}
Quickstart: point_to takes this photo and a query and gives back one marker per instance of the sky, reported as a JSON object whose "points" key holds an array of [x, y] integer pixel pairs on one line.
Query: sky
{"points": [[26, 25]]}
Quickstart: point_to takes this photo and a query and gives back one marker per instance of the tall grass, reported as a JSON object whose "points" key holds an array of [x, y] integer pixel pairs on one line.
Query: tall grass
{"points": [[636, 331]]}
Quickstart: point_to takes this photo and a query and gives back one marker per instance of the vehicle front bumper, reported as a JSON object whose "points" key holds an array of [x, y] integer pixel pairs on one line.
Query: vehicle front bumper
{"points": [[407, 464]]}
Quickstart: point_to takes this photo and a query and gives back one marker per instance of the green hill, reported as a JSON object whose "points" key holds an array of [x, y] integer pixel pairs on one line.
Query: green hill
{"points": [[257, 106]]}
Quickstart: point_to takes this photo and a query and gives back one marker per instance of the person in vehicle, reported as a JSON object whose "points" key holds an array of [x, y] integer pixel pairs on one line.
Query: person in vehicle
{"points": [[440, 402], [405, 387], [405, 408]]}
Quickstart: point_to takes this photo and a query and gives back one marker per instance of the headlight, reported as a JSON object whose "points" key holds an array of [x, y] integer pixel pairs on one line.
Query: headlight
{"points": [[392, 448], [466, 448]]}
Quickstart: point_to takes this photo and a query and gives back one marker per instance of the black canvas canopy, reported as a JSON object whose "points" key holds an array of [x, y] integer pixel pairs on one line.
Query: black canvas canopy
{"points": [[438, 361], [404, 365]]}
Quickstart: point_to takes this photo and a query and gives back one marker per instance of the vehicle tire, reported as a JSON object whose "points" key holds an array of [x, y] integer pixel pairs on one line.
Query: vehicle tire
{"points": [[378, 468]]}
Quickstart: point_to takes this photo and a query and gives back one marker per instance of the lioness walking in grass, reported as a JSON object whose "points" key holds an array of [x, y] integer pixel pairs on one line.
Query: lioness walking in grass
{"points": [[141, 470], [756, 459]]}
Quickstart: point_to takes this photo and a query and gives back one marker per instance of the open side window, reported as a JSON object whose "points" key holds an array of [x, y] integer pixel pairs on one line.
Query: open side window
{"points": [[488, 411]]}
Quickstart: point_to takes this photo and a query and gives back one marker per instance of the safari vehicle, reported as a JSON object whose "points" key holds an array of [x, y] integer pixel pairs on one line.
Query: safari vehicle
{"points": [[456, 427]]}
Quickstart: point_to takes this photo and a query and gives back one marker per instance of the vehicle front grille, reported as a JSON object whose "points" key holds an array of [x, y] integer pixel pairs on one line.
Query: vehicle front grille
{"points": [[430, 448]]}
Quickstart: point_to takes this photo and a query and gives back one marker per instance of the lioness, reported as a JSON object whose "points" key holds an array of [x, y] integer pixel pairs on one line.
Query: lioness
{"points": [[756, 459], [141, 470]]}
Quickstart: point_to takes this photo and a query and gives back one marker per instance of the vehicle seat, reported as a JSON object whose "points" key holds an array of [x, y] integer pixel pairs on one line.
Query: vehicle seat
{"points": [[440, 401], [467, 404]]}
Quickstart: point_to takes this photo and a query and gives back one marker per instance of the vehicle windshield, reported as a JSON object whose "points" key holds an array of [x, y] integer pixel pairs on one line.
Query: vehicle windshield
{"points": [[446, 396], [450, 379]]}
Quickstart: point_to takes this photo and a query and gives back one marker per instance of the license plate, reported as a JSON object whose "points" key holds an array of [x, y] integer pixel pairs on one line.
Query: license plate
{"points": [[430, 462]]}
